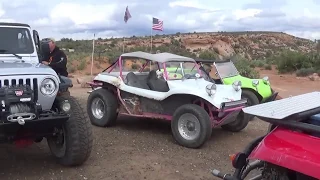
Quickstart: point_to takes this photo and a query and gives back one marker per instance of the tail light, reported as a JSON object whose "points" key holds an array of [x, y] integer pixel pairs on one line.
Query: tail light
{"points": [[238, 160]]}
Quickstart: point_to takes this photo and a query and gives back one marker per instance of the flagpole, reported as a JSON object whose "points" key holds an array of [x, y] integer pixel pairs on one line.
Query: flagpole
{"points": [[127, 16], [124, 39], [151, 40], [92, 53]]}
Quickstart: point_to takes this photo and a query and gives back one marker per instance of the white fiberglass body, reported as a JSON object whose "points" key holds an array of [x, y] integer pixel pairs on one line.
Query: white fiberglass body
{"points": [[197, 87], [170, 87]]}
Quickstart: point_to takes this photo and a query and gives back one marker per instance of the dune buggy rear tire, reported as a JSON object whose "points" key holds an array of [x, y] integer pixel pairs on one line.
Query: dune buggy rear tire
{"points": [[110, 105], [201, 126], [77, 137], [239, 124]]}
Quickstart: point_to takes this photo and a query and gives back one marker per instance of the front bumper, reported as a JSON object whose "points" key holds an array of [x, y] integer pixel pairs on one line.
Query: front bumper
{"points": [[230, 110], [41, 126], [272, 97], [233, 105]]}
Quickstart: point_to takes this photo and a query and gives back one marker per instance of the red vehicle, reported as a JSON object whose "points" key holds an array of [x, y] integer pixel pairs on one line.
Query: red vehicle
{"points": [[291, 148]]}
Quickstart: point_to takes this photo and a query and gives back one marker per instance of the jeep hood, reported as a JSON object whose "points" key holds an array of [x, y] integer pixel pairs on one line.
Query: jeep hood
{"points": [[23, 68]]}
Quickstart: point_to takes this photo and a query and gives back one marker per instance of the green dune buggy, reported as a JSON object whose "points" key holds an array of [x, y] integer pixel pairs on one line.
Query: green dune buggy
{"points": [[256, 91]]}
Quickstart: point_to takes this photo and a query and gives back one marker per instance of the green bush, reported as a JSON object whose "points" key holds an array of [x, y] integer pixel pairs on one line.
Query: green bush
{"points": [[135, 66], [243, 68], [305, 72], [267, 67], [82, 65], [210, 55], [258, 63], [290, 61], [302, 63]]}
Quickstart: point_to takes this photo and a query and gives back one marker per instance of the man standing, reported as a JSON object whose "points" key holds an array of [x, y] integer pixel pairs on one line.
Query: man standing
{"points": [[56, 59]]}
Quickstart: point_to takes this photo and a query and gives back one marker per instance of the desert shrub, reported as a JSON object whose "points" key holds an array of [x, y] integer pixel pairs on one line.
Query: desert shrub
{"points": [[290, 61], [305, 72], [258, 63], [301, 63], [268, 67], [208, 55], [82, 65], [243, 68], [113, 55], [71, 69], [97, 65], [135, 66], [252, 65]]}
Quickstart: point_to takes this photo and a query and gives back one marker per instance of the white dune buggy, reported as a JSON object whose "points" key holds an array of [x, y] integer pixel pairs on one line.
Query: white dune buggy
{"points": [[193, 105]]}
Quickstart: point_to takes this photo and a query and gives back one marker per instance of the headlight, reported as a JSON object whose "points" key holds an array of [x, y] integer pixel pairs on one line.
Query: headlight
{"points": [[211, 89], [48, 87], [266, 80], [236, 85], [255, 82]]}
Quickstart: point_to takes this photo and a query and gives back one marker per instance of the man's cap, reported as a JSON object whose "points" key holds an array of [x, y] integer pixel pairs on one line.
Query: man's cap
{"points": [[49, 39]]}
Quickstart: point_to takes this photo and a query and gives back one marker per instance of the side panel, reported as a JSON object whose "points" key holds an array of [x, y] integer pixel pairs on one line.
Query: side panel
{"points": [[263, 89], [190, 86], [293, 150]]}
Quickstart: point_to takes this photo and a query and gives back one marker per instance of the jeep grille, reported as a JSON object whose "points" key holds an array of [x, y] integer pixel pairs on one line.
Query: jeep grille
{"points": [[32, 82]]}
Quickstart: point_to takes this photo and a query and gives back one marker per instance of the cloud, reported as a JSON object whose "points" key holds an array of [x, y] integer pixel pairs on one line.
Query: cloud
{"points": [[80, 19], [270, 14], [267, 4]]}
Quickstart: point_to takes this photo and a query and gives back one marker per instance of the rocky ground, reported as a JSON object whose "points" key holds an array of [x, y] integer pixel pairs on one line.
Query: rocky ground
{"points": [[143, 149]]}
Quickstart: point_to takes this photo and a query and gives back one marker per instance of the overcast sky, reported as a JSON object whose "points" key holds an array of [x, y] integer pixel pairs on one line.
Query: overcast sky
{"points": [[79, 19]]}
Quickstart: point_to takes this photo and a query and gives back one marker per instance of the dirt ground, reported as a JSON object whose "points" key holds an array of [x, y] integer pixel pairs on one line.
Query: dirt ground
{"points": [[143, 149]]}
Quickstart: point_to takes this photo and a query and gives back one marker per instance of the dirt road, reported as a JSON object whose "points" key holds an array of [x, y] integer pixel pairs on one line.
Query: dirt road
{"points": [[142, 149]]}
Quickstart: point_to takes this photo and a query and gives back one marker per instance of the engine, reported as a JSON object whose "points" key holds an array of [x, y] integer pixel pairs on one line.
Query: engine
{"points": [[17, 103]]}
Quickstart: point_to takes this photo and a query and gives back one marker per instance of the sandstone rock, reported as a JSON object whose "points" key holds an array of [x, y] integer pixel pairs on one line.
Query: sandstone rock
{"points": [[314, 77], [223, 48]]}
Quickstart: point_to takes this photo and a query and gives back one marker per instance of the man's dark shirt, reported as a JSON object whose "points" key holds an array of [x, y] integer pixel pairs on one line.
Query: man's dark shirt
{"points": [[58, 61]]}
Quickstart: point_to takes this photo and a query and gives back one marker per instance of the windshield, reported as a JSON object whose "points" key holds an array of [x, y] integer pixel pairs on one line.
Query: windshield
{"points": [[15, 41], [133, 65], [226, 69], [177, 70]]}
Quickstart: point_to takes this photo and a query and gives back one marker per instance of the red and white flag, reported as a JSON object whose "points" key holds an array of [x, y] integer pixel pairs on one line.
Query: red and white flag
{"points": [[157, 24]]}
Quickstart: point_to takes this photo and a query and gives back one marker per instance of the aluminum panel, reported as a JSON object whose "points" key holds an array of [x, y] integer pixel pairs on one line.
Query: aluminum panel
{"points": [[283, 108]]}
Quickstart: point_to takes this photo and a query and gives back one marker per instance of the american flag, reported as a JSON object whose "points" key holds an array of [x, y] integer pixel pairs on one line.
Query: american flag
{"points": [[157, 24], [127, 15]]}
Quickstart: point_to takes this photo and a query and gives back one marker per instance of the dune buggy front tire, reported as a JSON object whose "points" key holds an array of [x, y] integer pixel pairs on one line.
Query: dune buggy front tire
{"points": [[72, 144], [102, 108], [239, 124], [191, 126]]}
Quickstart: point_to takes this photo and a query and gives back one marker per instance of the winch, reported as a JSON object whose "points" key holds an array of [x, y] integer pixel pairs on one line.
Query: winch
{"points": [[17, 104]]}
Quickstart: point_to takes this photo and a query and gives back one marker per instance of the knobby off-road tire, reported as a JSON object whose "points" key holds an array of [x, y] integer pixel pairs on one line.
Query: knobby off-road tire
{"points": [[252, 100], [239, 124], [110, 105], [77, 137], [195, 113]]}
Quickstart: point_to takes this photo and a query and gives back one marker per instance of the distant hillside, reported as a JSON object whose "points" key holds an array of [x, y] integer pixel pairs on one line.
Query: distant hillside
{"points": [[251, 45]]}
